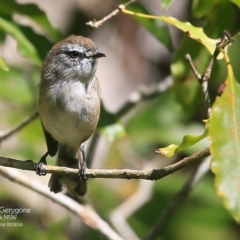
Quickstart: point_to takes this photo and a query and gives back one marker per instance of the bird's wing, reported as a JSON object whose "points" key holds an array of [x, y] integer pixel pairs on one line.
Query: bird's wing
{"points": [[52, 144]]}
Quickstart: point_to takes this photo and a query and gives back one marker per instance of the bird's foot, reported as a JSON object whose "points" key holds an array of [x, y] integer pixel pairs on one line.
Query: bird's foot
{"points": [[40, 164], [82, 171]]}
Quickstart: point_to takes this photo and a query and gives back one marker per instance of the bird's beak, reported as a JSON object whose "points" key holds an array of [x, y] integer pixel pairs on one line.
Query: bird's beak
{"points": [[98, 55]]}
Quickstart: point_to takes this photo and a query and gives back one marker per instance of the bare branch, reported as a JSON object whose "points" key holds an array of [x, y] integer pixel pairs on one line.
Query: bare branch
{"points": [[97, 24], [85, 213], [203, 79], [194, 70], [19, 126], [153, 174]]}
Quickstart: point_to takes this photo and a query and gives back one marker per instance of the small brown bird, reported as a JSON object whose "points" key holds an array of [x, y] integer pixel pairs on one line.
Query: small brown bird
{"points": [[69, 107]]}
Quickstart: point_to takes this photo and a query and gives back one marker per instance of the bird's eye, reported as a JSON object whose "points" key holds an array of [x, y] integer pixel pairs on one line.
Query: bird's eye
{"points": [[74, 54]]}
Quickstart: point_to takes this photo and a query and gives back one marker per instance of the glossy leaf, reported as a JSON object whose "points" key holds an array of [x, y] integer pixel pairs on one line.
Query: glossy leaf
{"points": [[193, 32], [187, 141], [224, 130], [24, 45], [3, 65]]}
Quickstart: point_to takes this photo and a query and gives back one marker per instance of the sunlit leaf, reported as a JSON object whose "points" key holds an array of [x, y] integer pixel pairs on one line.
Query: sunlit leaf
{"points": [[224, 130], [25, 47], [187, 141], [193, 32], [3, 65], [237, 2], [168, 151]]}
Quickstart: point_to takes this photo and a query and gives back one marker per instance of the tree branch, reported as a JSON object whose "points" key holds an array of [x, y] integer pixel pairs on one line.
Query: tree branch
{"points": [[145, 93], [85, 213], [97, 24], [19, 126], [153, 174], [203, 79]]}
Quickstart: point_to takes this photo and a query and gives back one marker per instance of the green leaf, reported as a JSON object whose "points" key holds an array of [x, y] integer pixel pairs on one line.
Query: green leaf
{"points": [[193, 32], [3, 65], [33, 12], [40, 42], [187, 141], [237, 2], [25, 47], [224, 130]]}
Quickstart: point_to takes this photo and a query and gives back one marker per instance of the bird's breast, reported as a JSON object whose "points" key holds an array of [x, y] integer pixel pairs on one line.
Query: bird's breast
{"points": [[70, 112]]}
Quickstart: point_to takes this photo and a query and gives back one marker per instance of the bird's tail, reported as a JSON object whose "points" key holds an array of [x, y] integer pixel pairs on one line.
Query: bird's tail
{"points": [[75, 185]]}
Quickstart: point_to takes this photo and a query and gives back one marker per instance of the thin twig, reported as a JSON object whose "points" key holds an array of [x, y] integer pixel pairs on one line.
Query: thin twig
{"points": [[190, 61], [153, 174], [19, 126], [86, 214], [203, 79], [97, 24], [145, 93], [179, 198]]}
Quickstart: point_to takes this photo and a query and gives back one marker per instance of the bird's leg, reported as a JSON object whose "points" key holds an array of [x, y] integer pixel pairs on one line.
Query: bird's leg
{"points": [[43, 160], [40, 164], [82, 164]]}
